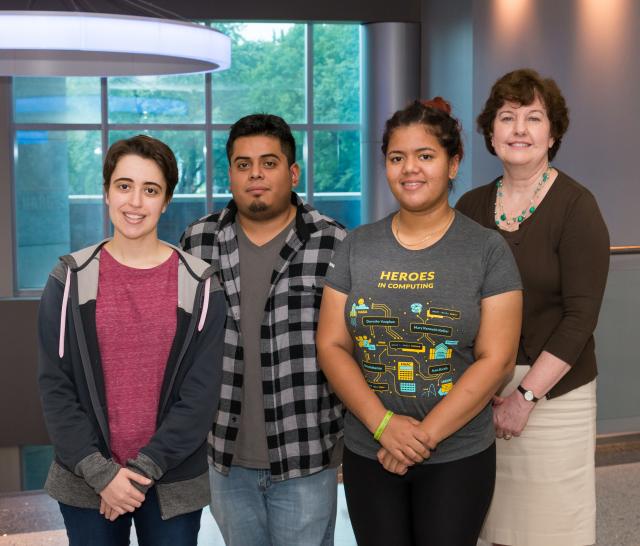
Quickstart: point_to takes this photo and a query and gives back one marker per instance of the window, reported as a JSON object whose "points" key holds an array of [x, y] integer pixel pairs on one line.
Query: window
{"points": [[307, 73], [270, 73], [58, 200]]}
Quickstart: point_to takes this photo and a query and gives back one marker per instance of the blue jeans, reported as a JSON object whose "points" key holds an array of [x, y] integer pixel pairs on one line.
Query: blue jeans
{"points": [[251, 509], [87, 527]]}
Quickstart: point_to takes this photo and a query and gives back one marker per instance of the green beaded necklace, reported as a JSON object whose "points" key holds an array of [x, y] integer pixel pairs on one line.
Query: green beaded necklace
{"points": [[501, 215]]}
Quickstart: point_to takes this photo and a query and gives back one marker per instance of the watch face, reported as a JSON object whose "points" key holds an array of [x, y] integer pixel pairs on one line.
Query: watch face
{"points": [[528, 396]]}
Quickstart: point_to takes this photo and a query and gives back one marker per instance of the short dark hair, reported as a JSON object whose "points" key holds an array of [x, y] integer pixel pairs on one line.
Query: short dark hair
{"points": [[267, 125], [522, 87], [435, 115], [148, 148]]}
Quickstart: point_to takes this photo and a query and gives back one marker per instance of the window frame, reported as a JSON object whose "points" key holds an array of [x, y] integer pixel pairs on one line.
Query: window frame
{"points": [[9, 282]]}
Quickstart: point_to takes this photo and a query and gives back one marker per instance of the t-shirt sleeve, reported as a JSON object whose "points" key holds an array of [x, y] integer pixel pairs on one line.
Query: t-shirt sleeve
{"points": [[501, 271], [339, 271]]}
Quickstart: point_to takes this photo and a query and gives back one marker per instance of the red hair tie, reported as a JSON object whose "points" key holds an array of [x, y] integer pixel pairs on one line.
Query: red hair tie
{"points": [[438, 103]]}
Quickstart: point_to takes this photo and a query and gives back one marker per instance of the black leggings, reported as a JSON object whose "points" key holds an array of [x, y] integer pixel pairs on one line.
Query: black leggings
{"points": [[431, 505]]}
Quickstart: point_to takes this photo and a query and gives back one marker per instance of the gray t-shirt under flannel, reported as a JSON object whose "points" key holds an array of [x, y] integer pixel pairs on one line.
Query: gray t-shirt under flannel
{"points": [[256, 268], [414, 316]]}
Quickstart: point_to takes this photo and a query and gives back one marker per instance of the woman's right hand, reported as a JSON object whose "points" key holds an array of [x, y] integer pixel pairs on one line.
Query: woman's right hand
{"points": [[108, 512], [405, 440], [390, 463], [121, 495]]}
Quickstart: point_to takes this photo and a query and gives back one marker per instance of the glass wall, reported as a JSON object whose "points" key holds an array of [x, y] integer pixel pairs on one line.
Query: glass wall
{"points": [[308, 74], [58, 200]]}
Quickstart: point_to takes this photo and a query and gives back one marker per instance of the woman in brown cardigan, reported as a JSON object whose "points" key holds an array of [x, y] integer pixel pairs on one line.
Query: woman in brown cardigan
{"points": [[545, 488]]}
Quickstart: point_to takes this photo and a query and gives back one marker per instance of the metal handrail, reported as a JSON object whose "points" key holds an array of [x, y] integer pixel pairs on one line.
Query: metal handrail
{"points": [[628, 249]]}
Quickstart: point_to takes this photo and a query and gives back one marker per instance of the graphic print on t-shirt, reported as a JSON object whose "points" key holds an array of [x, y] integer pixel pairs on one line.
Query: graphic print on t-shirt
{"points": [[414, 316], [406, 350]]}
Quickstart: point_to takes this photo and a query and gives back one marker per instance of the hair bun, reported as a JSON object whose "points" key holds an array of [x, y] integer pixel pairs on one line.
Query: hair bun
{"points": [[438, 103]]}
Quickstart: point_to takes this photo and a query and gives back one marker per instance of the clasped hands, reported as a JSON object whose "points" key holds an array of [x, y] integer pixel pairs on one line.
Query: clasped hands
{"points": [[121, 495], [510, 415], [404, 443]]}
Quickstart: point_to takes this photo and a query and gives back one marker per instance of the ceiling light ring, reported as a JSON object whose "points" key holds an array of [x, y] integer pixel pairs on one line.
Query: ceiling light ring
{"points": [[34, 42]]}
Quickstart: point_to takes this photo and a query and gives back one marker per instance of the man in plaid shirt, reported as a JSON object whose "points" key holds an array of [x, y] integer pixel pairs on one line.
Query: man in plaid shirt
{"points": [[278, 421]]}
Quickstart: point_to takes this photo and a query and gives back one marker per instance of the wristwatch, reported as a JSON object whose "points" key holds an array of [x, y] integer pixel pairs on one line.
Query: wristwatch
{"points": [[528, 395]]}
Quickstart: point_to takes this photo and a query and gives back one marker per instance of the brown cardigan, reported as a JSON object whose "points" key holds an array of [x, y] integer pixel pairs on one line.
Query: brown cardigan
{"points": [[562, 251]]}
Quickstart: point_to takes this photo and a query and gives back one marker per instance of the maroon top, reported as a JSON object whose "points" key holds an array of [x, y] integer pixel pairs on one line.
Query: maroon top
{"points": [[562, 251], [136, 323]]}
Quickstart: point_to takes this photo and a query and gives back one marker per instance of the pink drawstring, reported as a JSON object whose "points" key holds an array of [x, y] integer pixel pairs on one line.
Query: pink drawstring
{"points": [[63, 313], [205, 304]]}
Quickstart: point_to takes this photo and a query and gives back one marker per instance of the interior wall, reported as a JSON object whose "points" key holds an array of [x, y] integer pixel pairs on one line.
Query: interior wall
{"points": [[618, 400], [447, 71], [20, 410], [10, 465], [390, 79], [589, 48]]}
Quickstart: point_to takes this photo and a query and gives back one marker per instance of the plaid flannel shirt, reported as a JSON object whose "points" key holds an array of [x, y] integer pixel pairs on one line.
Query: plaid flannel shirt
{"points": [[303, 416]]}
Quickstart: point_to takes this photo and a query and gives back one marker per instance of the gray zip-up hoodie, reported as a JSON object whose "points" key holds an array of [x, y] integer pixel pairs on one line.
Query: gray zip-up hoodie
{"points": [[73, 395]]}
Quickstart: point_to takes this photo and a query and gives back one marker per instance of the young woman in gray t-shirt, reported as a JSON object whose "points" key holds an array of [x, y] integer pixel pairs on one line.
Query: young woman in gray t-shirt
{"points": [[419, 326]]}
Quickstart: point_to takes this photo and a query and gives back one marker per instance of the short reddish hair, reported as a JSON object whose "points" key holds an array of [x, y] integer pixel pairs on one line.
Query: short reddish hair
{"points": [[522, 87]]}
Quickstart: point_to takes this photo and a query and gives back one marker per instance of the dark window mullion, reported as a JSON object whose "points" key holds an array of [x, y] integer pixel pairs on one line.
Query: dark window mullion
{"points": [[310, 117], [104, 137], [208, 139]]}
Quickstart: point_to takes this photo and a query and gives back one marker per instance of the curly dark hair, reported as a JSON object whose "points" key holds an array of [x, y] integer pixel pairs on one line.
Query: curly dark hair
{"points": [[148, 148], [522, 87], [435, 115]]}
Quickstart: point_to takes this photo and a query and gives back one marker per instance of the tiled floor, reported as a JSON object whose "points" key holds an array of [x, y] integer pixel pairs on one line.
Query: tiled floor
{"points": [[22, 512], [617, 480]]}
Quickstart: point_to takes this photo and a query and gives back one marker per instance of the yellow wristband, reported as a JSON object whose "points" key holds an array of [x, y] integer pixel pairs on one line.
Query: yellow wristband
{"points": [[383, 424]]}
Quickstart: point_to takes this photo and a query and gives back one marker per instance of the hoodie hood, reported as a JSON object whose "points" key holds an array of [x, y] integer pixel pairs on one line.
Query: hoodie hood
{"points": [[86, 262], [83, 258]]}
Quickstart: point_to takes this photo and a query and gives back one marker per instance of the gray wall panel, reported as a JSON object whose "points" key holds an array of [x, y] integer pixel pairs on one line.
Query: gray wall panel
{"points": [[589, 48], [391, 79], [593, 57], [447, 71], [588, 53], [616, 335], [20, 411]]}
